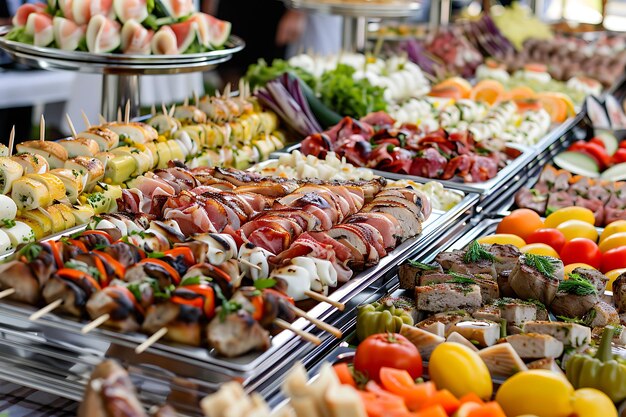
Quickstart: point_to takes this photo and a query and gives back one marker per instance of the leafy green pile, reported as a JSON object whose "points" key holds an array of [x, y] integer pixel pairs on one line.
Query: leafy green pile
{"points": [[261, 73], [349, 97]]}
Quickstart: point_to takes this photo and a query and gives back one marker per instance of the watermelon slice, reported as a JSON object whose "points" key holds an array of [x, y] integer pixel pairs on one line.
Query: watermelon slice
{"points": [[174, 8], [39, 26], [203, 32], [186, 32], [67, 34], [131, 9], [103, 34], [220, 31], [135, 38], [25, 10], [164, 42]]}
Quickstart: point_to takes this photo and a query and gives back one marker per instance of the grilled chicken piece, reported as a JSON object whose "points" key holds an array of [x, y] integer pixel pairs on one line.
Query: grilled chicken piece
{"points": [[506, 257], [483, 332], [603, 314], [410, 273], [447, 319], [529, 283], [110, 393], [545, 363], [355, 239], [488, 312], [182, 322], [535, 346], [454, 261], [444, 297], [504, 285], [236, 334], [570, 334], [74, 293], [19, 276], [517, 312], [572, 305], [597, 278], [619, 293], [115, 302], [488, 287]]}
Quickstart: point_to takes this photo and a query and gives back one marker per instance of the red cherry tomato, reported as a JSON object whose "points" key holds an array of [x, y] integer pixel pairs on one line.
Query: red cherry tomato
{"points": [[582, 250], [598, 142], [614, 259], [551, 237], [619, 156], [387, 350]]}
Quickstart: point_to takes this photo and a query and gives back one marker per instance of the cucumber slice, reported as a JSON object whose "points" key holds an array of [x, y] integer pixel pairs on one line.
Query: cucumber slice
{"points": [[578, 163], [610, 141], [615, 173]]}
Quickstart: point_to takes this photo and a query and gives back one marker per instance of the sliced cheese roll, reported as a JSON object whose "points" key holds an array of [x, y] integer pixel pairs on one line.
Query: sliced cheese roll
{"points": [[4, 151], [91, 166], [55, 154], [134, 132], [19, 233], [8, 208], [38, 221], [80, 147], [31, 163], [58, 222], [35, 227], [9, 172], [66, 214], [105, 157], [72, 181], [5, 242], [52, 182], [104, 137], [83, 213], [164, 124], [30, 194]]}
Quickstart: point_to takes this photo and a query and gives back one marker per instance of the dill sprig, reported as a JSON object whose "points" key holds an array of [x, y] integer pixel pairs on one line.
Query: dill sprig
{"points": [[543, 264], [421, 265], [578, 285], [476, 252], [459, 279]]}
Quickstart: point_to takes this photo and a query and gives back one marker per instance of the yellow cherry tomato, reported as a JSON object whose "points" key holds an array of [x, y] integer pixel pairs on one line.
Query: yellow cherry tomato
{"points": [[615, 227], [569, 213], [590, 402], [502, 239], [612, 276], [548, 394], [577, 228], [569, 268], [614, 241], [539, 249], [460, 370]]}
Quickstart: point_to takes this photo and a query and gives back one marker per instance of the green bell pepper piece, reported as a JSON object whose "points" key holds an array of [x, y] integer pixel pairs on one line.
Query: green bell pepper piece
{"points": [[380, 318]]}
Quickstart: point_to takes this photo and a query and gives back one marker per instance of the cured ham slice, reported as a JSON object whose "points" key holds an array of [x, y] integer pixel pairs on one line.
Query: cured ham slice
{"points": [[150, 185], [130, 9], [186, 33], [219, 30], [103, 35], [67, 34], [193, 219], [39, 26], [135, 38], [203, 29], [177, 8], [164, 42], [67, 8], [101, 7], [25, 10], [81, 11]]}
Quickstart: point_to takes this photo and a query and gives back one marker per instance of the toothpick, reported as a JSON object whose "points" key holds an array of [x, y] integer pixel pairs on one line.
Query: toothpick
{"points": [[85, 119], [103, 121], [45, 310], [196, 99], [42, 129], [95, 323], [250, 264], [153, 110], [11, 140], [7, 292], [163, 109], [323, 299], [318, 323], [227, 91], [127, 112], [186, 102], [119, 114], [241, 276], [172, 110], [151, 340], [304, 335], [71, 125]]}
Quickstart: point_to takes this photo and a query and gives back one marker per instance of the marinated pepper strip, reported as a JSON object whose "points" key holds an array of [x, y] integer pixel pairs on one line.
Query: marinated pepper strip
{"points": [[602, 371], [380, 318], [169, 268]]}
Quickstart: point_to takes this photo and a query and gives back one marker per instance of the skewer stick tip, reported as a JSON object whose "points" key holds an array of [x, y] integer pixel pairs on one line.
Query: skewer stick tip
{"points": [[250, 264], [11, 140], [42, 128], [45, 310], [85, 119], [151, 340], [95, 323], [318, 323], [6, 293], [71, 125], [301, 333], [324, 299], [127, 112]]}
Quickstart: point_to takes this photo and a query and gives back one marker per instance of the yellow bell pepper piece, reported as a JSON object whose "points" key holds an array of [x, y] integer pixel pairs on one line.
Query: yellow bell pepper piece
{"points": [[590, 402]]}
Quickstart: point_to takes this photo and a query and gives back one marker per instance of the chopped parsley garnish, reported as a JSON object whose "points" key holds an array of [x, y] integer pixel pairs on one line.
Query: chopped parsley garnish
{"points": [[578, 285], [543, 264], [228, 307], [8, 222], [30, 251], [421, 265], [476, 252]]}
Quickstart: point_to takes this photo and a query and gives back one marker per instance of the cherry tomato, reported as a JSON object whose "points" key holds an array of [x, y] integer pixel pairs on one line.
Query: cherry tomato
{"points": [[551, 237], [581, 250], [614, 259], [387, 350], [619, 156]]}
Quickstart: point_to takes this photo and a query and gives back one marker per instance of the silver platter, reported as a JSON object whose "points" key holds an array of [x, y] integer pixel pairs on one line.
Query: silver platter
{"points": [[359, 8]]}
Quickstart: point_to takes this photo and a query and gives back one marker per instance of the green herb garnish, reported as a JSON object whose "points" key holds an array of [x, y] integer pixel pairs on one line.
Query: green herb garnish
{"points": [[421, 265], [8, 223], [460, 279], [578, 285], [476, 252], [543, 264], [261, 284], [191, 281]]}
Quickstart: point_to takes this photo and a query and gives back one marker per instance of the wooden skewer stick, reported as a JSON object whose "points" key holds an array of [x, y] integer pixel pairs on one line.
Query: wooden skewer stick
{"points": [[172, 110], [102, 119], [322, 298], [42, 129], [11, 140], [250, 264], [318, 323], [95, 323], [71, 125], [196, 99], [163, 109], [186, 102], [119, 114], [7, 292], [45, 310], [127, 112], [304, 335], [153, 110], [151, 340], [85, 119]]}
